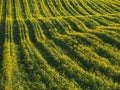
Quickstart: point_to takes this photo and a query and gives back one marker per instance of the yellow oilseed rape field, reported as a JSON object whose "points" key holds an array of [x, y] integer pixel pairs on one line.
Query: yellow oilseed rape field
{"points": [[59, 44]]}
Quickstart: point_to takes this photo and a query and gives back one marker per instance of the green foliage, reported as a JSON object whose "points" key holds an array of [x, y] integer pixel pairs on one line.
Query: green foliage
{"points": [[59, 45]]}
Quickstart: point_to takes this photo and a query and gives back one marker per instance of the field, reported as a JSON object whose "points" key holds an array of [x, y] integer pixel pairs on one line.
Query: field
{"points": [[59, 44]]}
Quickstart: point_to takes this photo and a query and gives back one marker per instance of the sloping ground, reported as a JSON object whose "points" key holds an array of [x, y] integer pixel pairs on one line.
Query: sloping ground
{"points": [[59, 44]]}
